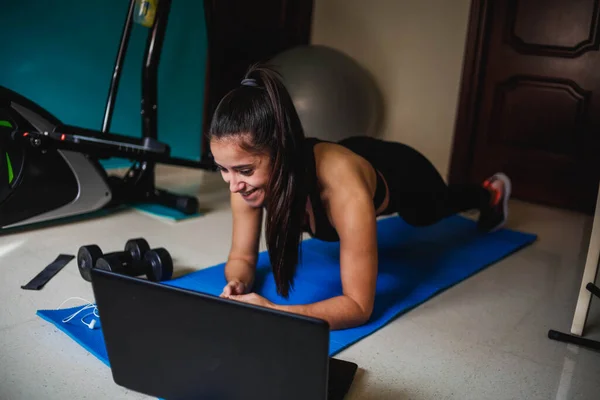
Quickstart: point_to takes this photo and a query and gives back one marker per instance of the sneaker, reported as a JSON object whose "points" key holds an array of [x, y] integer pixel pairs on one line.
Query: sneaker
{"points": [[494, 217]]}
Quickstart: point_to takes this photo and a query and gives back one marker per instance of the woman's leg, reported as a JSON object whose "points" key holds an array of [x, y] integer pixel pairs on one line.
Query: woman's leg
{"points": [[419, 194], [421, 197], [490, 199]]}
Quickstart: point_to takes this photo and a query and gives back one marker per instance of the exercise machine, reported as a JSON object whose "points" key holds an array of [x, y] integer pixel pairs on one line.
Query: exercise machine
{"points": [[52, 171]]}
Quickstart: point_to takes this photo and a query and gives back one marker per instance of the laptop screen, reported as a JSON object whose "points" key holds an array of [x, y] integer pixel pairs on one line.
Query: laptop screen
{"points": [[171, 343]]}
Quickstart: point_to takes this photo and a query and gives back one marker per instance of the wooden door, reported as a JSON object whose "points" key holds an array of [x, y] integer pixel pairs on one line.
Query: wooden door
{"points": [[530, 100]]}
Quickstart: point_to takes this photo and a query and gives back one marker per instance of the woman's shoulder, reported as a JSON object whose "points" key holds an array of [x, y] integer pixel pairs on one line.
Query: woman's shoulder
{"points": [[337, 165]]}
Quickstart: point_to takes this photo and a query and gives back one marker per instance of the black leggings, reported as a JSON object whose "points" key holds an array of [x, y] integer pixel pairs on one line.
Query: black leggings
{"points": [[418, 192]]}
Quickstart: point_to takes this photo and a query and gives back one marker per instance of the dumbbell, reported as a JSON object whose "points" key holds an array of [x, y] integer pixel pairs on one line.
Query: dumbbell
{"points": [[88, 256], [137, 259], [156, 264]]}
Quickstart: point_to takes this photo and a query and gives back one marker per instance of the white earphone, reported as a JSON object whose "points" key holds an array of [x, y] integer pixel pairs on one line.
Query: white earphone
{"points": [[92, 324]]}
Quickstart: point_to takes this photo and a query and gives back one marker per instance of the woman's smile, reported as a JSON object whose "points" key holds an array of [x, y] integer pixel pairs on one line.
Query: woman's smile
{"points": [[247, 194]]}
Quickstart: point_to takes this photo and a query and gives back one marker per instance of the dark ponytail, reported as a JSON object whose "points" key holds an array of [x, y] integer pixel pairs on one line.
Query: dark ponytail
{"points": [[262, 108]]}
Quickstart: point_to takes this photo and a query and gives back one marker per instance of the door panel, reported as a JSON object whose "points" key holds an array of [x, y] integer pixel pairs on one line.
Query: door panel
{"points": [[553, 27]]}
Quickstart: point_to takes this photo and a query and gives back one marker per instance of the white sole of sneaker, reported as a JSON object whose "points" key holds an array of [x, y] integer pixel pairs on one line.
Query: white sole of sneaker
{"points": [[507, 190]]}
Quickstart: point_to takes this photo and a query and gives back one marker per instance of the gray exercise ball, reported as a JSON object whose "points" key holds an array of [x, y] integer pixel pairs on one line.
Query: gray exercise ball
{"points": [[334, 96]]}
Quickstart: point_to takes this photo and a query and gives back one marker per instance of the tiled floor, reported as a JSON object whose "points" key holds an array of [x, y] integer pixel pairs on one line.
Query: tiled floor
{"points": [[483, 339]]}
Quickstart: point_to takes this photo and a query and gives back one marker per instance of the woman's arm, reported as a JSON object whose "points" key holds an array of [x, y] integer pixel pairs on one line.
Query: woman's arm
{"points": [[357, 228], [241, 262], [353, 214]]}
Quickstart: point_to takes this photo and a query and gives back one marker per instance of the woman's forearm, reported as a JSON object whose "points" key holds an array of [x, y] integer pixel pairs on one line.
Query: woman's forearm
{"points": [[340, 312], [240, 270]]}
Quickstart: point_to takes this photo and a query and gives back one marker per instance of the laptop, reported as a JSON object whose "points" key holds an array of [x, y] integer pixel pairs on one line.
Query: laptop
{"points": [[174, 343]]}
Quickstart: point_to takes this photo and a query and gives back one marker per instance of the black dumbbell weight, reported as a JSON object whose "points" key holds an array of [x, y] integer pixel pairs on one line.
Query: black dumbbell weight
{"points": [[86, 260], [157, 265], [118, 264], [129, 260]]}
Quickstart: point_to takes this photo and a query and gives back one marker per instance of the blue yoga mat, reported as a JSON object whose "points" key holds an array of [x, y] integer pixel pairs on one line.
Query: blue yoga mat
{"points": [[415, 264]]}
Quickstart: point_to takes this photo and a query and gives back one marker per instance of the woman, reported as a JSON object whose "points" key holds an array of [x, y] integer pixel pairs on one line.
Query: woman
{"points": [[335, 191]]}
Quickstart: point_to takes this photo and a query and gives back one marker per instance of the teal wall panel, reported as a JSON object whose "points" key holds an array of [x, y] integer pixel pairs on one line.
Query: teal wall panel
{"points": [[61, 54]]}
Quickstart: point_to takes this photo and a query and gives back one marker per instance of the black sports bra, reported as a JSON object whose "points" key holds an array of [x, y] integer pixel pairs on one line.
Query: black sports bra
{"points": [[323, 229]]}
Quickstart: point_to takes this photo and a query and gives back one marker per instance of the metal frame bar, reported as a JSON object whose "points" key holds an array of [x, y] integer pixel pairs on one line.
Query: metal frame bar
{"points": [[116, 76]]}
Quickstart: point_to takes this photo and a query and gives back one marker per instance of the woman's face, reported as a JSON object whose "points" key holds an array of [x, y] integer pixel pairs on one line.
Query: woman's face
{"points": [[246, 173]]}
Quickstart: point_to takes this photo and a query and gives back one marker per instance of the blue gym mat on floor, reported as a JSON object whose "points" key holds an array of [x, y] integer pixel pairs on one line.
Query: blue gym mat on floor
{"points": [[415, 264]]}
